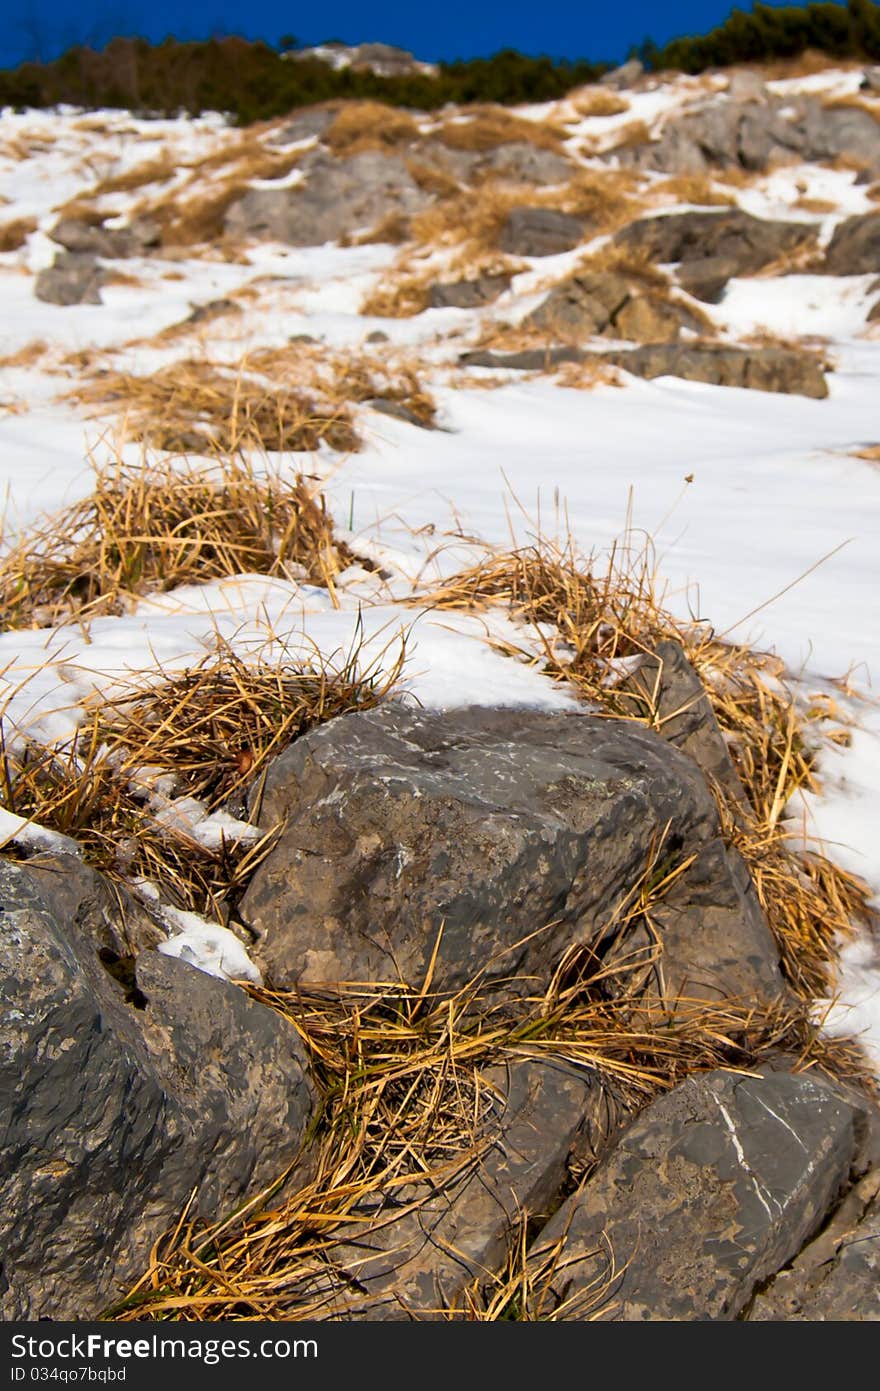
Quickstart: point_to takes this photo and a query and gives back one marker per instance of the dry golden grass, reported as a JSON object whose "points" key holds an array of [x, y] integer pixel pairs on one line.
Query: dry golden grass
{"points": [[26, 356], [871, 452], [157, 170], [693, 188], [393, 228], [348, 378], [210, 731], [197, 406], [815, 205], [599, 101], [432, 179], [854, 102], [152, 527], [369, 125], [873, 192], [481, 128], [13, 235], [586, 376], [635, 133], [401, 295], [403, 1081]]}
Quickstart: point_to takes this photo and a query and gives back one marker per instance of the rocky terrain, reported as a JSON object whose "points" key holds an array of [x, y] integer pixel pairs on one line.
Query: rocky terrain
{"points": [[396, 879]]}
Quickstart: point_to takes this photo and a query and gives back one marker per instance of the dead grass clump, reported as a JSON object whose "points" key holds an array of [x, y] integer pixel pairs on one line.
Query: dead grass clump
{"points": [[635, 133], [407, 1092], [598, 101], [348, 378], [432, 179], [26, 356], [871, 452], [13, 235], [482, 128], [696, 189], [152, 527], [873, 192], [594, 623], [369, 125], [194, 406], [815, 205], [157, 170], [587, 375], [393, 229], [399, 296], [205, 733], [217, 725]]}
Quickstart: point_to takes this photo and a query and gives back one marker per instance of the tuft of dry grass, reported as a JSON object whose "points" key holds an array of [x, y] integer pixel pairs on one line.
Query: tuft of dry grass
{"points": [[26, 356], [587, 375], [369, 125], [870, 452], [694, 188], [152, 527], [482, 128], [205, 733], [599, 101], [635, 133], [815, 205], [13, 235], [202, 407]]}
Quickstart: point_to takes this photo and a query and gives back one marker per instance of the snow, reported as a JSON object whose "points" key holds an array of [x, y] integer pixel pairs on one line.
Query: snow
{"points": [[773, 540], [209, 947]]}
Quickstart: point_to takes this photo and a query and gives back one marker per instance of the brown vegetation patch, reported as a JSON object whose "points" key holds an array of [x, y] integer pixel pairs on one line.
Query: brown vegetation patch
{"points": [[693, 188], [158, 170], [587, 375], [26, 356], [432, 179], [870, 452], [202, 407], [153, 526], [484, 128], [369, 125], [635, 133], [599, 101], [13, 235]]}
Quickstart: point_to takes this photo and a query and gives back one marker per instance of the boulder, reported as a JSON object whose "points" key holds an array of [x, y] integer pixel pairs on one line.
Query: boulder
{"points": [[754, 133], [306, 125], [854, 248], [500, 838], [423, 1242], [119, 1103], [539, 232], [73, 278], [709, 1192], [338, 197], [627, 75], [526, 360], [732, 240], [759, 369], [608, 303], [468, 294], [666, 692], [836, 1276], [871, 80], [79, 234]]}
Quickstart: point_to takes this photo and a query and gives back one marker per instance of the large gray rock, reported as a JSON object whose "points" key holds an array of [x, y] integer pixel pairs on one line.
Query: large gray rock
{"points": [[525, 360], [608, 303], [539, 232], [509, 835], [73, 278], [854, 248], [339, 197], [837, 1276], [712, 1190], [627, 75], [78, 234], [736, 242], [117, 1103], [758, 369], [456, 1229], [726, 132], [468, 294]]}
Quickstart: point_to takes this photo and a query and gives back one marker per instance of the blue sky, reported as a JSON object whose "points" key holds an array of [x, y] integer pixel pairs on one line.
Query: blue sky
{"points": [[43, 28]]}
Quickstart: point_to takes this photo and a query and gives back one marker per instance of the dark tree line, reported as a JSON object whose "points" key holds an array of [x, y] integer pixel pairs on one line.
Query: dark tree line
{"points": [[252, 81]]}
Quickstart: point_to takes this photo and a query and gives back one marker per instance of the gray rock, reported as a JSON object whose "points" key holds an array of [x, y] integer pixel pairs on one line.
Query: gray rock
{"points": [[214, 309], [727, 132], [711, 1191], [665, 691], [526, 360], [377, 336], [746, 85], [305, 125], [509, 835], [339, 197], [627, 75], [608, 303], [871, 80], [90, 238], [468, 294], [96, 913], [539, 232], [520, 162], [457, 1230], [739, 243], [706, 939], [758, 369], [854, 248], [398, 411], [73, 278], [117, 1104], [836, 1276]]}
